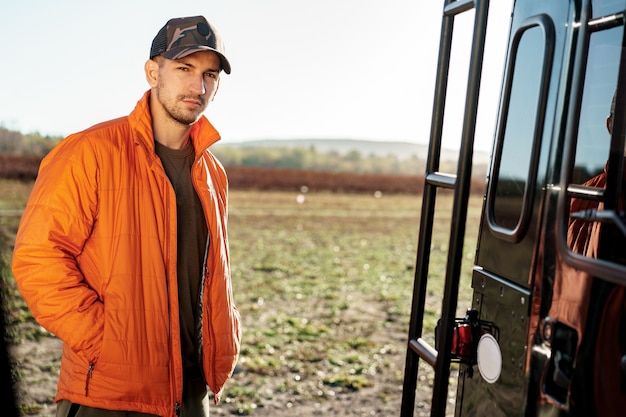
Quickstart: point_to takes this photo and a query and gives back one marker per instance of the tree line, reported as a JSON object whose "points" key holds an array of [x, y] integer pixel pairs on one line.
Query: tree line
{"points": [[34, 146], [16, 143], [310, 159]]}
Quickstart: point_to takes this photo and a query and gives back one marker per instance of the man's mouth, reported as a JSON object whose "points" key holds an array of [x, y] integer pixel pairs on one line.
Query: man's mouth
{"points": [[198, 102]]}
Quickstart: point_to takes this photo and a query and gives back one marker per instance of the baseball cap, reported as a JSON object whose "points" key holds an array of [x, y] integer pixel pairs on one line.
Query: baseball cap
{"points": [[183, 36]]}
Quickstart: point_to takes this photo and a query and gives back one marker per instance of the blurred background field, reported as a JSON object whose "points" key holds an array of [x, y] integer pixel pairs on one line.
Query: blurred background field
{"points": [[323, 281]]}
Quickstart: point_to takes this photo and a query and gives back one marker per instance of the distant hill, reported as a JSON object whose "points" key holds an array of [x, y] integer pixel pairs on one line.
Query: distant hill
{"points": [[401, 150]]}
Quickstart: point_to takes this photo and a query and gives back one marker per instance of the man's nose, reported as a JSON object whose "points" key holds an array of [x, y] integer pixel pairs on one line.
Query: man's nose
{"points": [[198, 86]]}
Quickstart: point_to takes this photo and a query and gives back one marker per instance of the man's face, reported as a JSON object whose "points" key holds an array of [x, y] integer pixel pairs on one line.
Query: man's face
{"points": [[184, 87]]}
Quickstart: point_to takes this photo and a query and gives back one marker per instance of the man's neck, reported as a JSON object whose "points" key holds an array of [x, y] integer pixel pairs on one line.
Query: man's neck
{"points": [[172, 142], [167, 131], [170, 134]]}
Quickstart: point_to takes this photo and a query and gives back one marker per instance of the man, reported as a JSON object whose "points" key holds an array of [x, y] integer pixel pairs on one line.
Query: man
{"points": [[601, 384], [122, 249], [583, 235]]}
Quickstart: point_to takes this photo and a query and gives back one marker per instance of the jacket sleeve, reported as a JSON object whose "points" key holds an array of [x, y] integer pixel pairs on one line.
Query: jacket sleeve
{"points": [[56, 222]]}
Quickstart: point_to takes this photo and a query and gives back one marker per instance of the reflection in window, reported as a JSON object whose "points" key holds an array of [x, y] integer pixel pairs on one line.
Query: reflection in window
{"points": [[592, 149], [606, 7], [519, 134], [592, 153]]}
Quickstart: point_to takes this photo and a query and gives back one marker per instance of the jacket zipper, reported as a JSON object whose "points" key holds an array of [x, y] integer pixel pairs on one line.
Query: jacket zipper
{"points": [[89, 375], [207, 274], [205, 271], [200, 305], [177, 403]]}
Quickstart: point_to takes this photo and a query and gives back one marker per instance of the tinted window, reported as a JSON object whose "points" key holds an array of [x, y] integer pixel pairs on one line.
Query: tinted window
{"points": [[604, 7], [588, 191], [519, 134], [593, 141]]}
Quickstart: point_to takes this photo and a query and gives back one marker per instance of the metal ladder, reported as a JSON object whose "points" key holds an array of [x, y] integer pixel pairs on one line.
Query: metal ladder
{"points": [[460, 183]]}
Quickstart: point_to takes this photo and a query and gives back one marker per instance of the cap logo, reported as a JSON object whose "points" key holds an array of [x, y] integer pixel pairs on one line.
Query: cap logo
{"points": [[181, 33]]}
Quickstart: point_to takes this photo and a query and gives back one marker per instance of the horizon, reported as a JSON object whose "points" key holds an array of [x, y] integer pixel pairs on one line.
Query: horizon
{"points": [[335, 141]]}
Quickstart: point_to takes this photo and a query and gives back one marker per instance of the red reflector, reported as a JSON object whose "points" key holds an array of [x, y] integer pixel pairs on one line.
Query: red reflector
{"points": [[462, 341]]}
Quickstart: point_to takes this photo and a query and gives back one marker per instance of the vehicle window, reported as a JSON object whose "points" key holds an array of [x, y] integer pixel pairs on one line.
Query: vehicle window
{"points": [[516, 146], [593, 141], [605, 7], [587, 190]]}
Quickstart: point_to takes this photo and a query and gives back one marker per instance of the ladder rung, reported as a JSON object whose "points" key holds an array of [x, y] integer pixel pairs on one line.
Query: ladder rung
{"points": [[424, 350], [458, 7], [441, 179]]}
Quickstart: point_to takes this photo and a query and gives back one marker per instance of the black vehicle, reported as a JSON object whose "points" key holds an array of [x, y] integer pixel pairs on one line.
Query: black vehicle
{"points": [[545, 331]]}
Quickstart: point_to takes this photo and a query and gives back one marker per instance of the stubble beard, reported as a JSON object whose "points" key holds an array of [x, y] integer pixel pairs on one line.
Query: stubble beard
{"points": [[177, 113]]}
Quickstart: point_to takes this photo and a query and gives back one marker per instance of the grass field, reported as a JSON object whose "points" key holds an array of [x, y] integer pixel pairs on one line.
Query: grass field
{"points": [[323, 282], [324, 288]]}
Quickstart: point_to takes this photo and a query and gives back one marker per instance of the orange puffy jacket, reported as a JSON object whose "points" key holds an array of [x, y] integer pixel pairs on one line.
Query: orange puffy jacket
{"points": [[570, 305], [95, 260]]}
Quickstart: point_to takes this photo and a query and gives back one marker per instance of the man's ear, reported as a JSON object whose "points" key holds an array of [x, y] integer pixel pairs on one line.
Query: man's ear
{"points": [[151, 68], [609, 124]]}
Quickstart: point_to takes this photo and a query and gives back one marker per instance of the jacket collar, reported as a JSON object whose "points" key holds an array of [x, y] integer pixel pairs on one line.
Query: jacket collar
{"points": [[203, 134]]}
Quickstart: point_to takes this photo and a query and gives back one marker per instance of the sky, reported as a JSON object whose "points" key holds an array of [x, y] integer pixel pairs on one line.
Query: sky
{"points": [[301, 69]]}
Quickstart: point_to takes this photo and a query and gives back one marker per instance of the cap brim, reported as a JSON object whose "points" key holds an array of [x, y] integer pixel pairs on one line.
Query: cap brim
{"points": [[178, 53]]}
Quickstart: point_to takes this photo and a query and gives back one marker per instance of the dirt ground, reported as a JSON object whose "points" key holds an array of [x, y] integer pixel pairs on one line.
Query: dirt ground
{"points": [[39, 364]]}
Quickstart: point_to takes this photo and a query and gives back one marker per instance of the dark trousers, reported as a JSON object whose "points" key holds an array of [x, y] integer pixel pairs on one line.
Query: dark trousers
{"points": [[195, 404]]}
